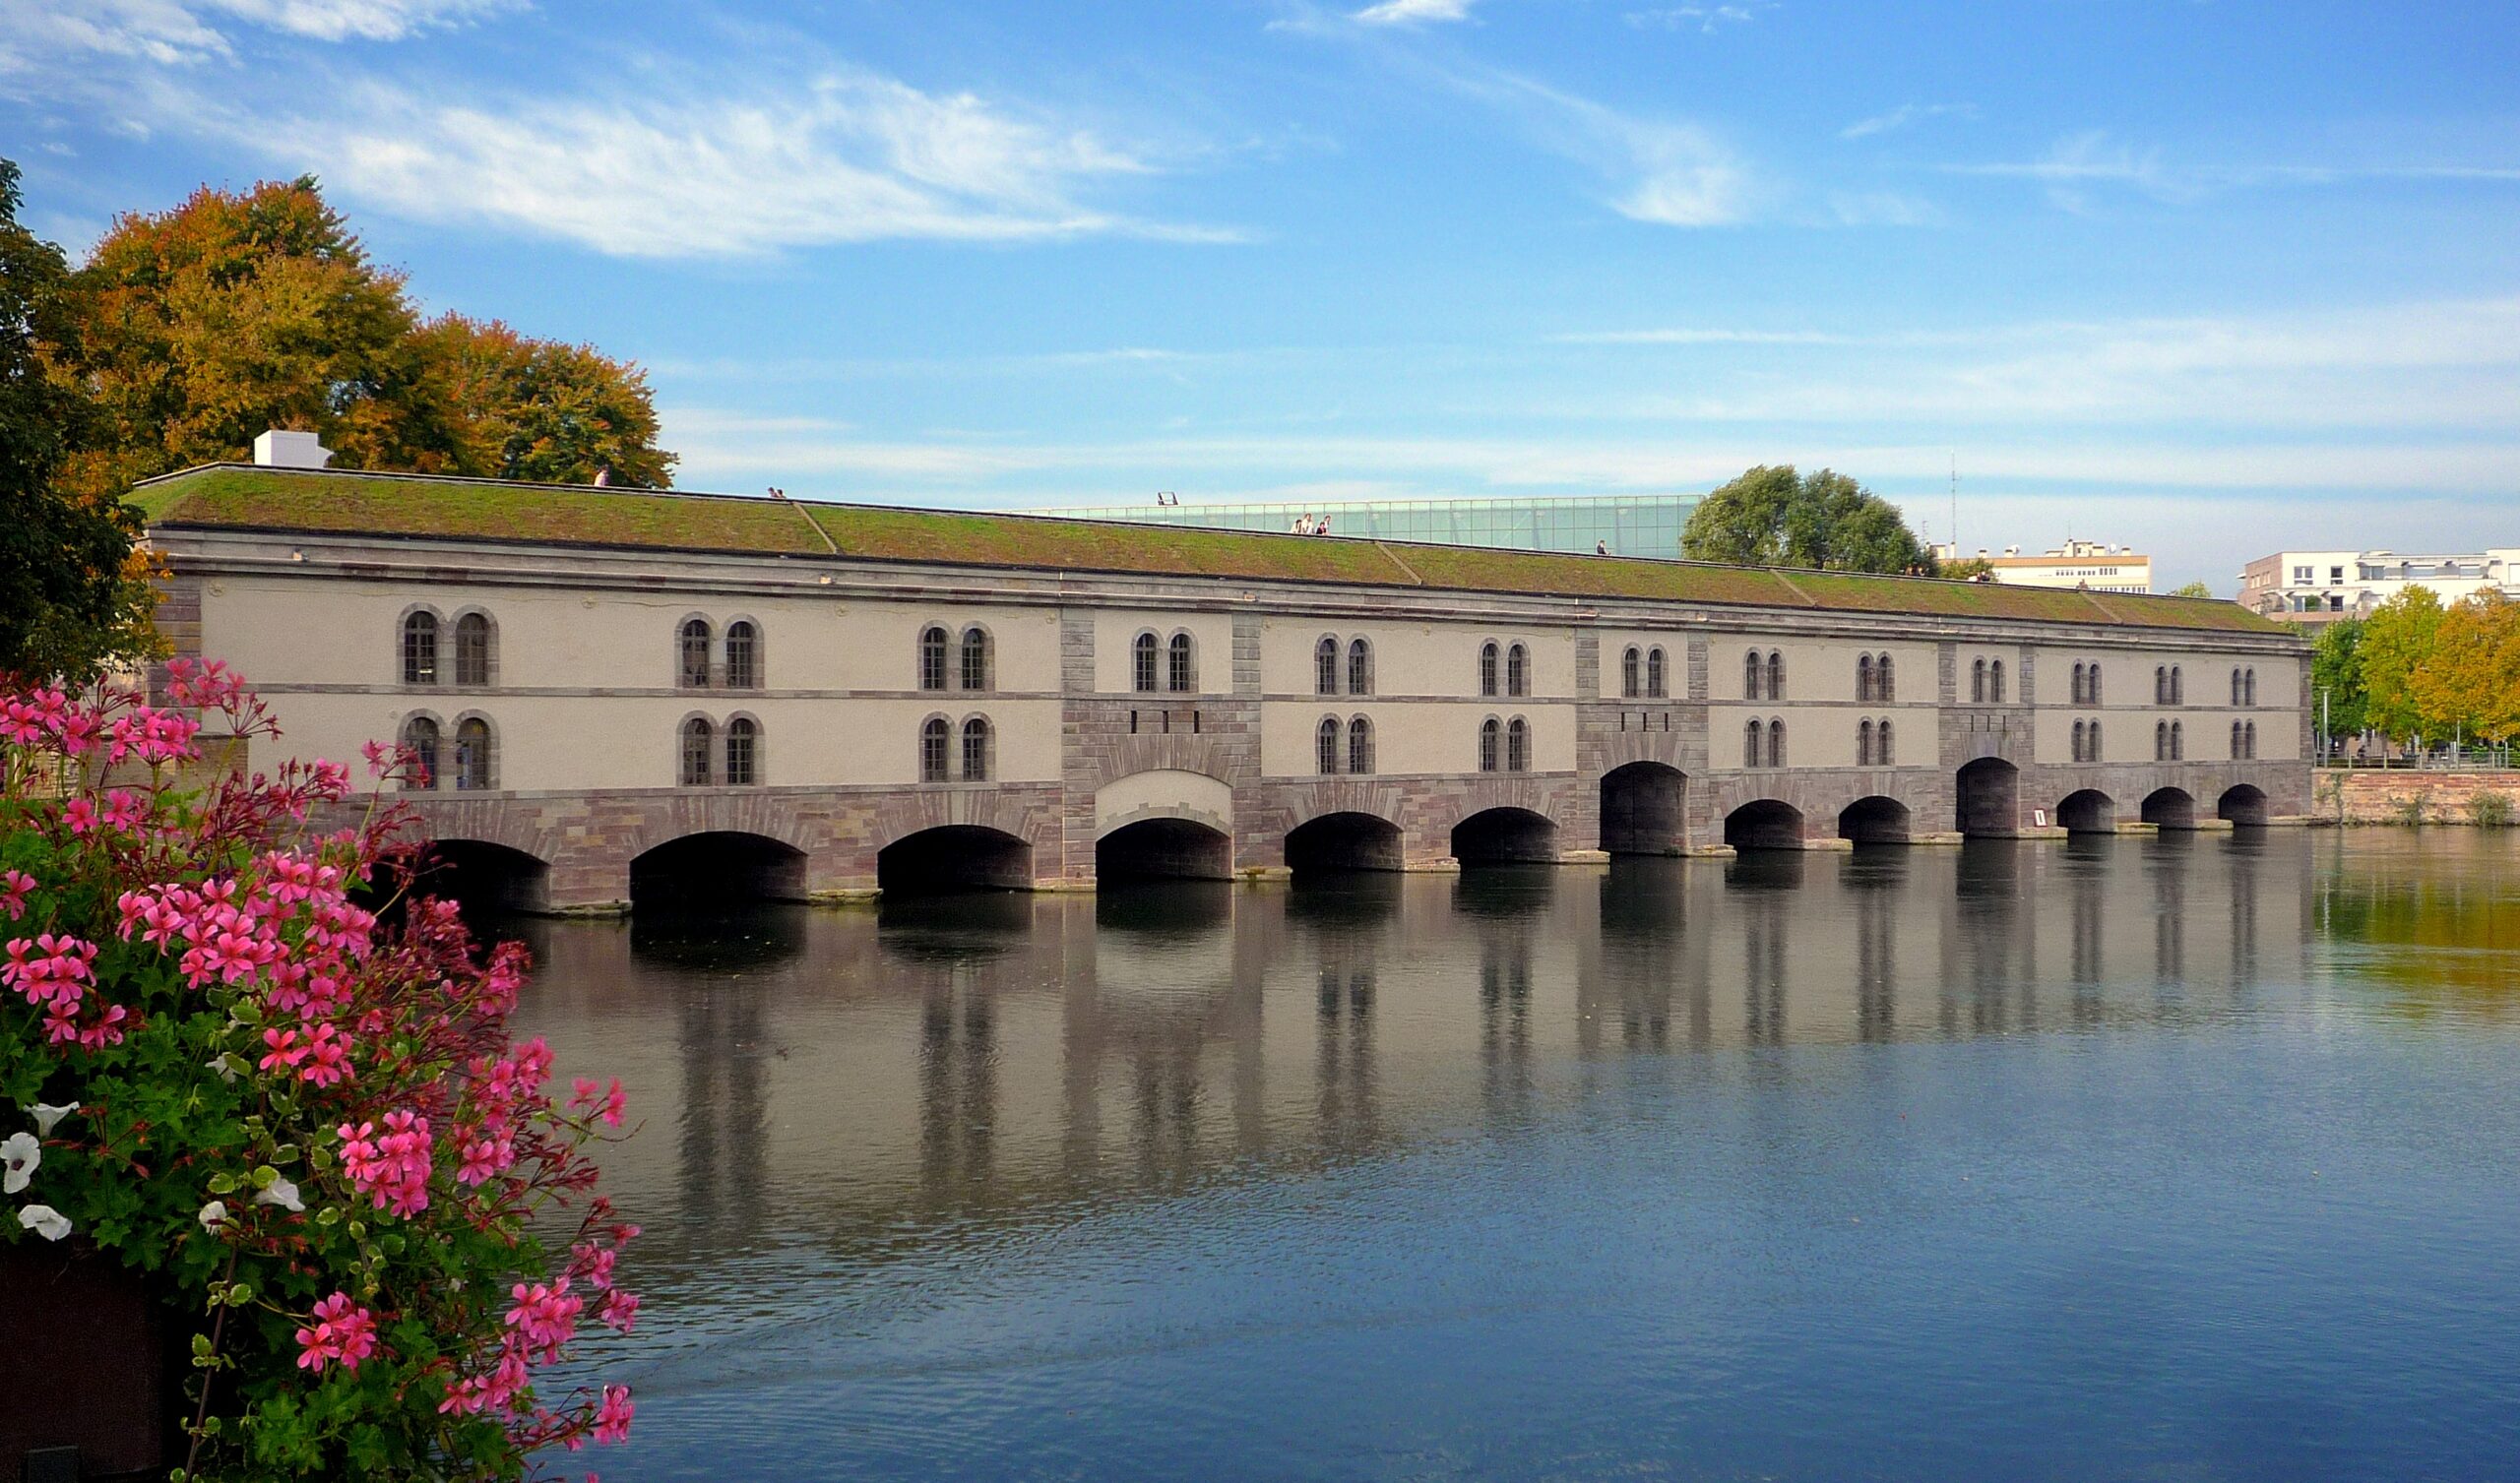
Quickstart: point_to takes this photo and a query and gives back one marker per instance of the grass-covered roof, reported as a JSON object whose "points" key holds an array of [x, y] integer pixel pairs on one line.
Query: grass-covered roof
{"points": [[336, 502]]}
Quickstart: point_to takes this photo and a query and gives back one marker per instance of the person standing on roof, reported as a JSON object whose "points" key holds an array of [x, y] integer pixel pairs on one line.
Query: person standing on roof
{"points": [[1600, 548]]}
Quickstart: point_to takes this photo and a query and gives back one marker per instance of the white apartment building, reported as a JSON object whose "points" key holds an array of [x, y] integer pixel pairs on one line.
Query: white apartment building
{"points": [[2321, 587], [2092, 565]]}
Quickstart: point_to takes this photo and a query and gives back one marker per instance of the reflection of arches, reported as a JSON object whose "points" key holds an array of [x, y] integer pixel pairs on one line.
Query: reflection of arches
{"points": [[1643, 804], [1874, 820], [1497, 836], [1987, 798], [1343, 841], [2171, 808], [479, 872], [954, 857], [720, 865], [1764, 824], [2244, 803], [1163, 849], [2088, 812]]}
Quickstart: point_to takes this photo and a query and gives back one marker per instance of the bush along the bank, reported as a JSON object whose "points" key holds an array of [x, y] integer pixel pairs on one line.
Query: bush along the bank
{"points": [[308, 1129]]}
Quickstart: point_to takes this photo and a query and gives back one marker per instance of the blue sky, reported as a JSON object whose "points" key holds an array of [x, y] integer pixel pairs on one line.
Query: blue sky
{"points": [[2210, 277]]}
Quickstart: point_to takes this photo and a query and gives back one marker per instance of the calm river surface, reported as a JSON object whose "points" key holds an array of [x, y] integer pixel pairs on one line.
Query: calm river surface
{"points": [[2188, 1158]]}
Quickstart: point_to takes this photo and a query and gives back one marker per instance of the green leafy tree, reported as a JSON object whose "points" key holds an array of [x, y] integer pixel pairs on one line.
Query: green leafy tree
{"points": [[1773, 517], [2397, 637], [2192, 589], [526, 409], [72, 597], [2335, 672]]}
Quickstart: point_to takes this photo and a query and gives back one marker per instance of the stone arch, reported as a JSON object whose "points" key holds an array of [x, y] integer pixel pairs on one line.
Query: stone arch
{"points": [[2088, 811], [2171, 808], [714, 867], [1343, 840], [1173, 793], [1875, 819], [951, 857], [483, 873], [1504, 833], [1987, 798], [2242, 803], [1764, 824], [1644, 809]]}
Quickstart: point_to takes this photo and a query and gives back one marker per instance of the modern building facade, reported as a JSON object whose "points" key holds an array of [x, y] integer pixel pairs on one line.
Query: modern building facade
{"points": [[2320, 587], [1625, 524], [617, 693], [2093, 565]]}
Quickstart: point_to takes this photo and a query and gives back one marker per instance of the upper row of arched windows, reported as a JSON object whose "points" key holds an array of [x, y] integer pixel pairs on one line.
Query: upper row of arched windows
{"points": [[2087, 685], [1987, 682], [2243, 689], [946, 662], [474, 645], [1515, 662], [1644, 673], [1326, 670], [1876, 679], [1164, 664], [705, 660], [2170, 687], [1763, 676]]}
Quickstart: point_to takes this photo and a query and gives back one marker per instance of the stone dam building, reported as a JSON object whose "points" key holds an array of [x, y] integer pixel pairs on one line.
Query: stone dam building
{"points": [[622, 695]]}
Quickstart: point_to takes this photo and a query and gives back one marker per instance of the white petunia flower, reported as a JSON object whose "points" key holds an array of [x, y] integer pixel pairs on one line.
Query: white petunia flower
{"points": [[213, 1215], [18, 1155], [45, 1222], [218, 1064], [47, 1114], [282, 1194]]}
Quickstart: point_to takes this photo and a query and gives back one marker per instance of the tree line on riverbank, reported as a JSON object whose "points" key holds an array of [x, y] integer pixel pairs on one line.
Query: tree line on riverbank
{"points": [[2418, 669], [188, 332]]}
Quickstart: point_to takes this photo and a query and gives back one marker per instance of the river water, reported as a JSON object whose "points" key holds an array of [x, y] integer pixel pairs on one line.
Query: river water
{"points": [[2181, 1159]]}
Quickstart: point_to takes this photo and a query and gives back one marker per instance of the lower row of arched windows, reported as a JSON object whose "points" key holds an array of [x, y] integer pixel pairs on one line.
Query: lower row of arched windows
{"points": [[467, 761], [2086, 738], [1343, 747], [957, 754], [1505, 746], [1763, 742], [712, 756], [1874, 746]]}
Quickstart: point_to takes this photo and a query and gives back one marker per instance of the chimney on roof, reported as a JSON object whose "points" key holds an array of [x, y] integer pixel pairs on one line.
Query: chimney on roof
{"points": [[277, 449]]}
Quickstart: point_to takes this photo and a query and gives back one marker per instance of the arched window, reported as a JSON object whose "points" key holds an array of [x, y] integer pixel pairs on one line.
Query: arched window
{"points": [[2252, 740], [1977, 681], [2092, 746], [2249, 688], [2078, 700], [2179, 741], [743, 655], [2090, 691], [931, 658], [696, 739], [975, 673], [1360, 667], [2160, 685], [1863, 677], [1487, 669], [1180, 676], [1776, 741], [1142, 651], [1776, 675], [1517, 670], [2177, 687], [473, 650], [1361, 745], [744, 751], [1325, 667], [1518, 746], [1863, 732], [2078, 726], [1631, 673], [473, 756], [1657, 681], [1488, 733], [1995, 682], [1325, 746], [691, 654], [2235, 687], [1882, 754], [1884, 687], [976, 750], [419, 739], [2161, 741], [420, 649], [2237, 738], [1754, 744], [1752, 672], [936, 736]]}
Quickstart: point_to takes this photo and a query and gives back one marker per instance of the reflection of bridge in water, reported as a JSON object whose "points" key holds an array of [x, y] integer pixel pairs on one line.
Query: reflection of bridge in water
{"points": [[848, 1076]]}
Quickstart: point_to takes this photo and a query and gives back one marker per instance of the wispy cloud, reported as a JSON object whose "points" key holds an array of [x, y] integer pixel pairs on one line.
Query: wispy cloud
{"points": [[1701, 337], [182, 32], [1705, 19], [2093, 158], [1904, 115], [1413, 12]]}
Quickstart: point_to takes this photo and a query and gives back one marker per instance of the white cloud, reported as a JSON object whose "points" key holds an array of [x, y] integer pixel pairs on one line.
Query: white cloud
{"points": [[849, 156], [1904, 115], [178, 33], [1705, 19], [2093, 158], [1409, 12]]}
